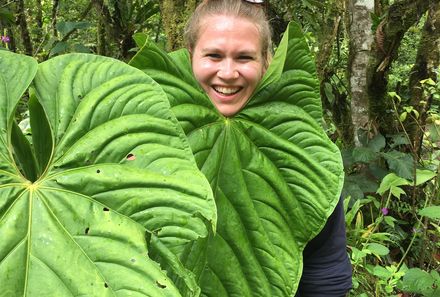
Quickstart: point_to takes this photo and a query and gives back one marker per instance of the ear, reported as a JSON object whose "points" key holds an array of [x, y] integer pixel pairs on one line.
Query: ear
{"points": [[267, 60], [190, 51]]}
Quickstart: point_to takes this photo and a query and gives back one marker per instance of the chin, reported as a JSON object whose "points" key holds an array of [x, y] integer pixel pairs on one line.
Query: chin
{"points": [[227, 111]]}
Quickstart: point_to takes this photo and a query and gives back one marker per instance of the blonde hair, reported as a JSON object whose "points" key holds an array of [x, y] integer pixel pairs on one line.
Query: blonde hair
{"points": [[236, 8]]}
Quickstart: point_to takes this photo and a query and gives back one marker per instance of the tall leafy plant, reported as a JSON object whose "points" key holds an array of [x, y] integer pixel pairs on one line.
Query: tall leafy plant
{"points": [[109, 176], [275, 175]]}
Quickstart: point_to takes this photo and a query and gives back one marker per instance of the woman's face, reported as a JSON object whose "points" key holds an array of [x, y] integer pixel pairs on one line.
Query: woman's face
{"points": [[227, 61]]}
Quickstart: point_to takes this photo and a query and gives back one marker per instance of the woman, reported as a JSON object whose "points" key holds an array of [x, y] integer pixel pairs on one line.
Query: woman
{"points": [[230, 47]]}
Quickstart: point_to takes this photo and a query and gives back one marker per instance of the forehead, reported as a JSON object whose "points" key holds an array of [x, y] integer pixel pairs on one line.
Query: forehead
{"points": [[224, 29]]}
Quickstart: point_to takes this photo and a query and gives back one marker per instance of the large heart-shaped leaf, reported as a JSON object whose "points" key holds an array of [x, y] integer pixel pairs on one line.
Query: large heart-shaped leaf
{"points": [[112, 168], [276, 176]]}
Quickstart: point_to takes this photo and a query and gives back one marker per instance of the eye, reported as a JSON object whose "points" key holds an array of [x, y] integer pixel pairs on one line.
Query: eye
{"points": [[246, 58], [214, 56]]}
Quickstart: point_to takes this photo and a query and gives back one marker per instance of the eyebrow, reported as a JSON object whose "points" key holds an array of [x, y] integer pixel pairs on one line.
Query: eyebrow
{"points": [[215, 49], [209, 49]]}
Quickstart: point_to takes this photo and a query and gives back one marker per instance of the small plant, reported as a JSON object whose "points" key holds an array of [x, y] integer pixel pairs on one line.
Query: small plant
{"points": [[421, 282], [375, 269]]}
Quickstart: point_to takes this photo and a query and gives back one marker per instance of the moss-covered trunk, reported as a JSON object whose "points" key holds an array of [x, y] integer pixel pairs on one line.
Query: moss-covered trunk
{"points": [[427, 62], [388, 37], [175, 14], [333, 99]]}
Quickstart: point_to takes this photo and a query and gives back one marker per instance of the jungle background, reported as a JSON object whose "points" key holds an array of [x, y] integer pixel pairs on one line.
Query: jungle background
{"points": [[378, 65]]}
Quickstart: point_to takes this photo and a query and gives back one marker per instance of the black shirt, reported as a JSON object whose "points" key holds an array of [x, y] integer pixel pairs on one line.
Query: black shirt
{"points": [[327, 269]]}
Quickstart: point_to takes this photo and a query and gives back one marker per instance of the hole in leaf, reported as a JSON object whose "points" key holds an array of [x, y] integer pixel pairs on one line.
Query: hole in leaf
{"points": [[105, 285], [98, 171], [160, 285], [105, 209], [133, 260], [87, 230], [131, 157]]}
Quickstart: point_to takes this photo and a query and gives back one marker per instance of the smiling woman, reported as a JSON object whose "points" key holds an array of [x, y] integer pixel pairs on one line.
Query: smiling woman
{"points": [[275, 175], [229, 46], [230, 51]]}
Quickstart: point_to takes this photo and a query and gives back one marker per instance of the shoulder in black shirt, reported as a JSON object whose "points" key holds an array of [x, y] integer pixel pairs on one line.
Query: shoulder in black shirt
{"points": [[327, 269]]}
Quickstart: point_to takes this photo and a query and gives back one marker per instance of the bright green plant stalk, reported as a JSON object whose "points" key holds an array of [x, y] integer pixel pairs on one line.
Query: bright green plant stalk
{"points": [[275, 175], [379, 219]]}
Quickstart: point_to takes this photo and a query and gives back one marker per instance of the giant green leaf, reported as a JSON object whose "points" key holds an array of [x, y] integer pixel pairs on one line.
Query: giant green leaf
{"points": [[112, 169], [276, 176]]}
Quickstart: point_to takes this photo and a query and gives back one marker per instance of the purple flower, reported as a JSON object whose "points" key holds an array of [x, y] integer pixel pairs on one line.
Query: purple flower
{"points": [[384, 211], [5, 39]]}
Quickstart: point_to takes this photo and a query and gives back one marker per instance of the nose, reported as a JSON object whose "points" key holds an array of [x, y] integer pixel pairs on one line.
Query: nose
{"points": [[227, 70]]}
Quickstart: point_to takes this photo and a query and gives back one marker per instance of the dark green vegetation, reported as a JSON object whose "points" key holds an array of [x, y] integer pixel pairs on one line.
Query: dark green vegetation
{"points": [[390, 97]]}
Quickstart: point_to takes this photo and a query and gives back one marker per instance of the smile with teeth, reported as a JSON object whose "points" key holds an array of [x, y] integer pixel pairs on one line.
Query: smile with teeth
{"points": [[226, 90]]}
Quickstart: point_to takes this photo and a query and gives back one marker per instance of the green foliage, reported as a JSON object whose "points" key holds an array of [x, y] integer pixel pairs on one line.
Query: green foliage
{"points": [[79, 26], [276, 176], [421, 282], [401, 68], [402, 216], [432, 212], [376, 236], [107, 181], [67, 27], [392, 183], [6, 16]]}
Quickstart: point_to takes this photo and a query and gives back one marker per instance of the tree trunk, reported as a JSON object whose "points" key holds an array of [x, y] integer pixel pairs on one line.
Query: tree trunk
{"points": [[22, 23], [55, 7], [175, 14], [106, 21], [39, 20], [401, 16], [361, 39], [101, 40], [427, 61], [328, 39]]}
